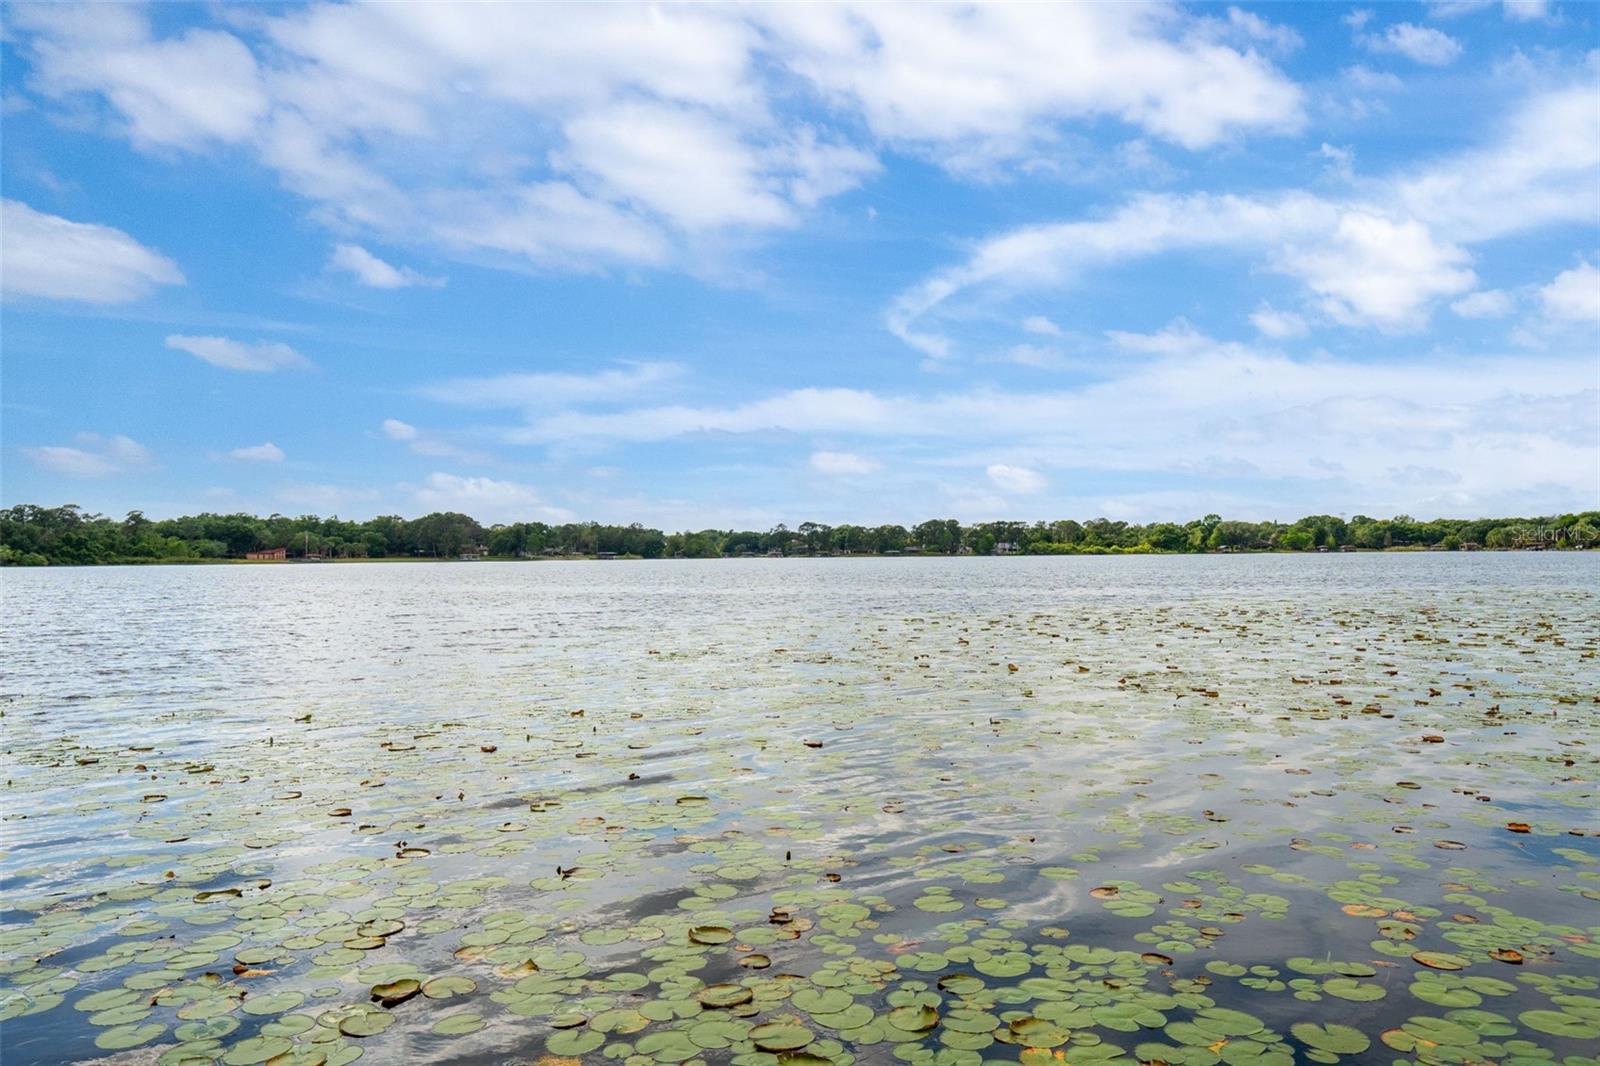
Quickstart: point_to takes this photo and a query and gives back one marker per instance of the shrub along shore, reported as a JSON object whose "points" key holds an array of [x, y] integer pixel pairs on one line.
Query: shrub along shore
{"points": [[68, 536]]}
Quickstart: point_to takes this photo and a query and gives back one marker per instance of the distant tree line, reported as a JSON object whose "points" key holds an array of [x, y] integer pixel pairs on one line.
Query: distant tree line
{"points": [[37, 536]]}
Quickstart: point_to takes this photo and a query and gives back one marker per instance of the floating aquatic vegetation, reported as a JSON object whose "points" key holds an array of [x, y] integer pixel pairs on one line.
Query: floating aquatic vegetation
{"points": [[1254, 823]]}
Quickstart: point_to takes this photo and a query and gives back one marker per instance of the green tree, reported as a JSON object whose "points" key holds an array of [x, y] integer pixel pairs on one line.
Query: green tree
{"points": [[941, 535]]}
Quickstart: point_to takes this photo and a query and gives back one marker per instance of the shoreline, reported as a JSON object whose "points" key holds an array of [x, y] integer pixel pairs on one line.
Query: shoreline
{"points": [[1113, 552]]}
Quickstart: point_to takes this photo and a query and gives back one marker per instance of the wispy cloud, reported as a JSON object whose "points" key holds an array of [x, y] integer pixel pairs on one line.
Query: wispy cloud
{"points": [[374, 273], [260, 357], [51, 257], [395, 429], [1486, 303], [1019, 479], [1279, 325], [1382, 260], [545, 389], [1197, 399], [843, 464], [91, 456], [486, 499], [1424, 44], [425, 443], [1514, 10], [1048, 185], [267, 452]]}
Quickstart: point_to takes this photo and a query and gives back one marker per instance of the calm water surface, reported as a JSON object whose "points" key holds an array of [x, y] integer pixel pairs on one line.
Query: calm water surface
{"points": [[1255, 809]]}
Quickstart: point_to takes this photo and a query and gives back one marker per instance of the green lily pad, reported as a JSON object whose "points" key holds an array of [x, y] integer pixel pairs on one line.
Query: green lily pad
{"points": [[365, 1023], [1036, 1032], [914, 1018], [448, 987], [1440, 960], [1351, 989], [778, 1036], [821, 1000], [256, 1049], [1560, 1023], [127, 1036], [573, 1042], [1331, 1037], [273, 1003], [724, 995]]}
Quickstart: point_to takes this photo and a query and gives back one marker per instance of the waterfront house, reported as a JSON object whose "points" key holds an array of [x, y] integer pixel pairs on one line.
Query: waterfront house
{"points": [[268, 555]]}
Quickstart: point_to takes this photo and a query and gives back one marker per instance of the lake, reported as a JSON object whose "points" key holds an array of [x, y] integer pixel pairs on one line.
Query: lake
{"points": [[1243, 809]]}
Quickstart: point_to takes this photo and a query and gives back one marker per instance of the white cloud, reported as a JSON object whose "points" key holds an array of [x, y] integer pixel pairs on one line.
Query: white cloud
{"points": [[976, 85], [1019, 479], [1364, 268], [260, 357], [1251, 29], [1341, 160], [1177, 338], [200, 86], [678, 163], [395, 429], [1359, 93], [551, 223], [1540, 170], [1527, 10], [443, 449], [844, 464], [574, 136], [92, 457], [1424, 44], [374, 272], [813, 170], [1487, 303], [61, 260], [800, 410], [1036, 355], [483, 498], [552, 389], [420, 443], [1515, 10], [1368, 80], [1041, 326], [1574, 295], [1375, 271], [1492, 429], [258, 453], [588, 137], [1381, 259], [1279, 325]]}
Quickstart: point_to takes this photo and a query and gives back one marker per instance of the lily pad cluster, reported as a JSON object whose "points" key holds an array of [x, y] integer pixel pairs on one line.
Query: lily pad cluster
{"points": [[943, 825]]}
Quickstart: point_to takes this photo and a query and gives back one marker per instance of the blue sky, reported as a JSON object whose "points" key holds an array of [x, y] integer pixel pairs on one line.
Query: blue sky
{"points": [[730, 266]]}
